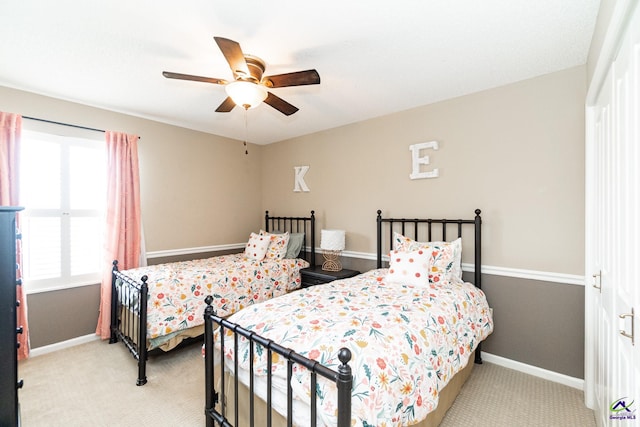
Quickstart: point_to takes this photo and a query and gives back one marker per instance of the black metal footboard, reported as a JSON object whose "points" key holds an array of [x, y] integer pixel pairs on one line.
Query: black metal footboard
{"points": [[129, 317], [216, 401]]}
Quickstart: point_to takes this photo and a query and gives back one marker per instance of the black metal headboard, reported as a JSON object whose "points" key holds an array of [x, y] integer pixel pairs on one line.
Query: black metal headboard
{"points": [[417, 227], [294, 224]]}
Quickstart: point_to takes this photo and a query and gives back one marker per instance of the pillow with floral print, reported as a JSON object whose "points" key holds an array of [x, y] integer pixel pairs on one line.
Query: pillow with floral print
{"points": [[256, 247], [278, 242], [446, 256], [409, 267]]}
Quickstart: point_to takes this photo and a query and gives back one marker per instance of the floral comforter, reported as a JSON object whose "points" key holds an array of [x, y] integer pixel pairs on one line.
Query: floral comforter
{"points": [[177, 290], [406, 342]]}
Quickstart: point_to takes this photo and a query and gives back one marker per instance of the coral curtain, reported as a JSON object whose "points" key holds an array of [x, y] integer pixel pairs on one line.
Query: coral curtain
{"points": [[10, 131], [123, 224]]}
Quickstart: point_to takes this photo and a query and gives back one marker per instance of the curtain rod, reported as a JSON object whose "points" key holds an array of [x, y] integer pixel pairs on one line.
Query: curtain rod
{"points": [[63, 124]]}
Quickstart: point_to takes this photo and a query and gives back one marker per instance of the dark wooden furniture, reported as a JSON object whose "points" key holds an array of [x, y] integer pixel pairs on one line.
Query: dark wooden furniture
{"points": [[9, 384], [124, 288], [317, 276], [215, 399]]}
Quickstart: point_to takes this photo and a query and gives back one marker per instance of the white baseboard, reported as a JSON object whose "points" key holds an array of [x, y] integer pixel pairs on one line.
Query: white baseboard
{"points": [[39, 351], [491, 358], [534, 370]]}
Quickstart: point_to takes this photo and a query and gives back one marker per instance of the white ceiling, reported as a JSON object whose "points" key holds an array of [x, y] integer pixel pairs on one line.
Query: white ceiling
{"points": [[374, 57]]}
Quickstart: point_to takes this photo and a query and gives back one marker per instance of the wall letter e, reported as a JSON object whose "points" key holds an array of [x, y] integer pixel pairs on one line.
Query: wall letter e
{"points": [[416, 160]]}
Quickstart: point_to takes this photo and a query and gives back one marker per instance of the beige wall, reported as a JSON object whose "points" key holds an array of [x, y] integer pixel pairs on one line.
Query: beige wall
{"points": [[196, 189], [190, 181], [516, 152]]}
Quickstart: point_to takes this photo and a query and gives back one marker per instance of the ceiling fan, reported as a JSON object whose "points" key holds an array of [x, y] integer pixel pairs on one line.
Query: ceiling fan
{"points": [[249, 87]]}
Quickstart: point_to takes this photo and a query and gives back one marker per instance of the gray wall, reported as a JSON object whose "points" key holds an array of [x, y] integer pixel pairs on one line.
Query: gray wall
{"points": [[537, 323], [62, 315]]}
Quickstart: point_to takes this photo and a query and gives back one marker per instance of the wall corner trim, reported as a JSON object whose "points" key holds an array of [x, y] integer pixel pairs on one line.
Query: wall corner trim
{"points": [[556, 377], [197, 250], [39, 351], [545, 374], [544, 276]]}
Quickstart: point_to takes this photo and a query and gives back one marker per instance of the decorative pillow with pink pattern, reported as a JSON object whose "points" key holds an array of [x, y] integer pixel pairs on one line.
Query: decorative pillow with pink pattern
{"points": [[409, 267], [256, 247], [446, 257]]}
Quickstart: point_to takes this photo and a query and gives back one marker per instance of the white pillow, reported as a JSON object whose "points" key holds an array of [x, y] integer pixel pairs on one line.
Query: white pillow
{"points": [[409, 267], [446, 256], [256, 247]]}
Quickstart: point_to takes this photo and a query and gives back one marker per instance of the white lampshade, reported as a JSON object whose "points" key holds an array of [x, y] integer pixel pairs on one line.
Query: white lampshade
{"points": [[246, 93], [332, 240]]}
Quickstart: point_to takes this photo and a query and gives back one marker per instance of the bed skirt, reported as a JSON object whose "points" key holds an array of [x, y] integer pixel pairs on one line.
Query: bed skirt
{"points": [[446, 398], [130, 322]]}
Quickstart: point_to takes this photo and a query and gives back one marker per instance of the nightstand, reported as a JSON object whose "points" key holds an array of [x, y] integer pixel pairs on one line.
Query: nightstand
{"points": [[318, 276]]}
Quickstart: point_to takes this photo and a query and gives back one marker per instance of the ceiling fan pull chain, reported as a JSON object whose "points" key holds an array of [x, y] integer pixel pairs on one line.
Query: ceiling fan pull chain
{"points": [[246, 132]]}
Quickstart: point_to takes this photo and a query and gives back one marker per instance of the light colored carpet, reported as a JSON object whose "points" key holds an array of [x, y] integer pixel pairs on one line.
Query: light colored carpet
{"points": [[494, 396], [94, 385]]}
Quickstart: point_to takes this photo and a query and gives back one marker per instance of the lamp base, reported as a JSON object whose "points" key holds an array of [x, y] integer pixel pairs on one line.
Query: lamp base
{"points": [[331, 263]]}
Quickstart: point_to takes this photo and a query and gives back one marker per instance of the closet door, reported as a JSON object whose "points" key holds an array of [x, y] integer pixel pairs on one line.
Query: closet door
{"points": [[625, 384], [599, 255], [613, 236]]}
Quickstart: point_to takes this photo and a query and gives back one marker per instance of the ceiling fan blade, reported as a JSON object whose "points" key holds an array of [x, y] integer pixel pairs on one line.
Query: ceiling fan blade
{"points": [[298, 78], [226, 106], [180, 76], [280, 104], [233, 54]]}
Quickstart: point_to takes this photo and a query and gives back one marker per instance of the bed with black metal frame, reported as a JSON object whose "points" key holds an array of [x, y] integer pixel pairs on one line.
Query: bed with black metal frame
{"points": [[222, 404], [127, 315]]}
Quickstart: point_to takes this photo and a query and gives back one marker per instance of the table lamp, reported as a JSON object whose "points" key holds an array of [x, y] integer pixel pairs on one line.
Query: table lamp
{"points": [[332, 243]]}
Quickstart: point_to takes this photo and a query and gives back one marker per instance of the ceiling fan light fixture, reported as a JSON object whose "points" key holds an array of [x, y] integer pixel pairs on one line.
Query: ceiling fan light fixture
{"points": [[249, 89], [247, 94]]}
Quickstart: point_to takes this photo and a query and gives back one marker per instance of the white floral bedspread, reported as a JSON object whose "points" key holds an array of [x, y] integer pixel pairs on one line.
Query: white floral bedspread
{"points": [[406, 342], [177, 290]]}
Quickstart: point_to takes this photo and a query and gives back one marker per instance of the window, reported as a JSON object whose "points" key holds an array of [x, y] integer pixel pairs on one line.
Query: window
{"points": [[63, 190]]}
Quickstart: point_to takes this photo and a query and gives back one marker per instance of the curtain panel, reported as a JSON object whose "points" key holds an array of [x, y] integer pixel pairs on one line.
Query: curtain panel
{"points": [[10, 133], [123, 219]]}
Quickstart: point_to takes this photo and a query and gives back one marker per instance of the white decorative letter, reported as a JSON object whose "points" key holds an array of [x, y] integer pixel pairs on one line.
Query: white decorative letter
{"points": [[417, 160], [299, 184]]}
